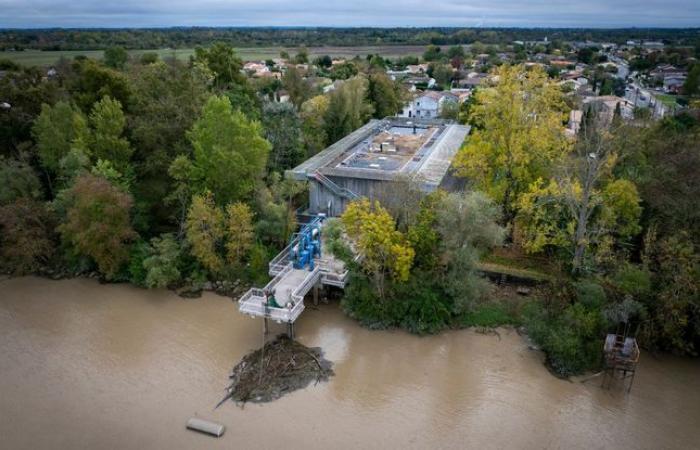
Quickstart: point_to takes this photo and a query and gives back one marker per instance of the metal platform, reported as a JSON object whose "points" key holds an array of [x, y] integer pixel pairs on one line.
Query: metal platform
{"points": [[291, 285]]}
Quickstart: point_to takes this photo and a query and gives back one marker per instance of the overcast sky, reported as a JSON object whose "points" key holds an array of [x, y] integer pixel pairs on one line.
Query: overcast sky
{"points": [[467, 13]]}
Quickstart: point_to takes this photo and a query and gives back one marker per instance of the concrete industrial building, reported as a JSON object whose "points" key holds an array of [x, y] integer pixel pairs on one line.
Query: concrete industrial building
{"points": [[368, 160]]}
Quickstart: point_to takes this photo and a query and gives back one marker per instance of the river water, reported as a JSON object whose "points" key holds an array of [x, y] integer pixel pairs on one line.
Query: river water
{"points": [[90, 366]]}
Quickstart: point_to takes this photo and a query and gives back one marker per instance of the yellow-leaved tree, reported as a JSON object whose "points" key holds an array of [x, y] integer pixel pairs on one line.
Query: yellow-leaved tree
{"points": [[385, 250], [583, 207], [518, 134], [239, 228], [205, 231]]}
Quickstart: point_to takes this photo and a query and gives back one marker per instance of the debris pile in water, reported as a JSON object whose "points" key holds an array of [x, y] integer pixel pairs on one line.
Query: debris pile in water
{"points": [[281, 366]]}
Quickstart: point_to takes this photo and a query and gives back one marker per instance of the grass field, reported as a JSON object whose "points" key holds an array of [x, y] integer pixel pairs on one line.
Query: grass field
{"points": [[668, 100], [45, 58]]}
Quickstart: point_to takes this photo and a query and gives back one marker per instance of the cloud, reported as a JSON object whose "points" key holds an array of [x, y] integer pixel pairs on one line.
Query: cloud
{"points": [[487, 13]]}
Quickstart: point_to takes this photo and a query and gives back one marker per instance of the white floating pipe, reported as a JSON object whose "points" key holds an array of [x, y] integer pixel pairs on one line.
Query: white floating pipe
{"points": [[205, 426]]}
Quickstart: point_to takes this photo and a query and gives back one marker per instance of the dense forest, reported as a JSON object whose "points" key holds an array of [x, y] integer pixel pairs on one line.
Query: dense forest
{"points": [[144, 38], [163, 173]]}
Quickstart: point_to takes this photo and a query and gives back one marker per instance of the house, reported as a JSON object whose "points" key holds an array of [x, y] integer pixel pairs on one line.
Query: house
{"points": [[574, 125], [605, 106], [666, 70], [257, 69], [412, 83], [417, 68], [674, 83], [333, 86], [653, 45], [428, 104], [472, 80]]}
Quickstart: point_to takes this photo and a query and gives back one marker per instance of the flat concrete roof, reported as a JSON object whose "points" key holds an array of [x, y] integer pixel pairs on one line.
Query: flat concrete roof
{"points": [[384, 149]]}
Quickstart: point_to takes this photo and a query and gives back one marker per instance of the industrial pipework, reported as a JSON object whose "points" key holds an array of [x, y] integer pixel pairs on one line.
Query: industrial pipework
{"points": [[308, 245]]}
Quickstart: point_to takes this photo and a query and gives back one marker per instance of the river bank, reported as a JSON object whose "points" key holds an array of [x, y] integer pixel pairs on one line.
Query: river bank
{"points": [[85, 365]]}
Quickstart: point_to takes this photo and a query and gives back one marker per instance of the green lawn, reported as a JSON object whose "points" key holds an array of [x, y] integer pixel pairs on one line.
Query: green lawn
{"points": [[39, 58], [668, 100]]}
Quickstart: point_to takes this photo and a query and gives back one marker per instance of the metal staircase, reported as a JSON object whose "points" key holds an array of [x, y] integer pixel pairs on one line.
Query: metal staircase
{"points": [[334, 188]]}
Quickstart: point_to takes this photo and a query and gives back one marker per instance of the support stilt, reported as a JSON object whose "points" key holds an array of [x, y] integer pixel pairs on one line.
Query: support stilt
{"points": [[316, 294], [266, 328]]}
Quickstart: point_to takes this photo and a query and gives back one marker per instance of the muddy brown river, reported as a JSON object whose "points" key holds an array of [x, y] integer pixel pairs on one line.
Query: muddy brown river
{"points": [[90, 366]]}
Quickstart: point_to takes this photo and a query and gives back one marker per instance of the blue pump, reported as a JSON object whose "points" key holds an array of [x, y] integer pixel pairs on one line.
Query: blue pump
{"points": [[308, 246]]}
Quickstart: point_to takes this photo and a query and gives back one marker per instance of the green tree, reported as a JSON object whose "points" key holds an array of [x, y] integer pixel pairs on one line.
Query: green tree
{"points": [[168, 99], [283, 130], [467, 226], [222, 60], [26, 235], [97, 223], [313, 125], [56, 129], [302, 56], [442, 73], [518, 138], [432, 53], [107, 143], [149, 58], [205, 232], [456, 51], [347, 108], [92, 81], [116, 57], [230, 153], [296, 86], [323, 61], [385, 95], [26, 91], [17, 180], [691, 86], [162, 263], [343, 71]]}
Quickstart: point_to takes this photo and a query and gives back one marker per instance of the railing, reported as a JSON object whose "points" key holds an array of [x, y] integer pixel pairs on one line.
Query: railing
{"points": [[337, 190], [301, 290], [280, 274], [281, 261], [252, 292], [258, 308], [334, 279]]}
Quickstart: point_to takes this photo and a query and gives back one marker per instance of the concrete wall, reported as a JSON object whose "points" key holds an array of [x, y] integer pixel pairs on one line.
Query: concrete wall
{"points": [[320, 196]]}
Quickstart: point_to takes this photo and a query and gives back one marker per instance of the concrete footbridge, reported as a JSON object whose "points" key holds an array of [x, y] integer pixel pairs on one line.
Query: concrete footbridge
{"points": [[297, 269]]}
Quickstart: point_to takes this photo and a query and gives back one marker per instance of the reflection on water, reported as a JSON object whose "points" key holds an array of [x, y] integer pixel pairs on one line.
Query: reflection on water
{"points": [[84, 365]]}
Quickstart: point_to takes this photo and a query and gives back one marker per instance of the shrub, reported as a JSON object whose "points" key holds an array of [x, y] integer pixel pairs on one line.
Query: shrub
{"points": [[257, 265], [488, 315], [162, 266], [98, 223], [137, 273], [590, 294], [25, 236], [17, 180], [633, 280], [571, 340]]}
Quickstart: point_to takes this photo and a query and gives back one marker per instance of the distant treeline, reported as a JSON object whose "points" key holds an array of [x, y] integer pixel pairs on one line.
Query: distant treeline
{"points": [[148, 38]]}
